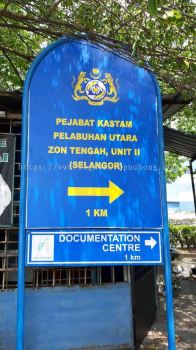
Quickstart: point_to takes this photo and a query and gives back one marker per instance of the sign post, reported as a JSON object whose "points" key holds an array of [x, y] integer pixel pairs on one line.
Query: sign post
{"points": [[93, 186], [166, 242]]}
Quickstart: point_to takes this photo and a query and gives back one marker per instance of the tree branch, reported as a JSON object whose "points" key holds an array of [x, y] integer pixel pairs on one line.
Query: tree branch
{"points": [[12, 64], [16, 52]]}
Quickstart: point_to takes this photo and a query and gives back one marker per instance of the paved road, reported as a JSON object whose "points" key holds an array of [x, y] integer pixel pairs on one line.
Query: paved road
{"points": [[185, 320]]}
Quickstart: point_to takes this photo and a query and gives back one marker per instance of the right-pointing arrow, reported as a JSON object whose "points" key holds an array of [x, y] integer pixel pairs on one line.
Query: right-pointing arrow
{"points": [[150, 242], [112, 191]]}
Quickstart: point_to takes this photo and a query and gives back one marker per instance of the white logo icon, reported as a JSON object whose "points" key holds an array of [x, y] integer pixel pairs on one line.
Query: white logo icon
{"points": [[42, 248]]}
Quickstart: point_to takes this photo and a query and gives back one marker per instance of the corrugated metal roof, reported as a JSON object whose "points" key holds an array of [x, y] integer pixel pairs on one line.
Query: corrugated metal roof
{"points": [[180, 143], [172, 103], [11, 101]]}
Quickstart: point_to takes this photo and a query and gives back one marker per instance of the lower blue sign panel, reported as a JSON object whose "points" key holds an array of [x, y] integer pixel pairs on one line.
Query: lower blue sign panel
{"points": [[78, 248]]}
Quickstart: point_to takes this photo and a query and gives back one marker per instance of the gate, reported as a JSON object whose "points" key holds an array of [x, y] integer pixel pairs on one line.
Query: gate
{"points": [[144, 300]]}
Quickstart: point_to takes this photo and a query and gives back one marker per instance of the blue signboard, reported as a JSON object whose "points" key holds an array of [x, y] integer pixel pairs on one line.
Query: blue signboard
{"points": [[47, 248], [93, 141], [92, 170]]}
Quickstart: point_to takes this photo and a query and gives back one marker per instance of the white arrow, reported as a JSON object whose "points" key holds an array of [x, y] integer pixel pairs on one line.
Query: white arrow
{"points": [[5, 195], [150, 242]]}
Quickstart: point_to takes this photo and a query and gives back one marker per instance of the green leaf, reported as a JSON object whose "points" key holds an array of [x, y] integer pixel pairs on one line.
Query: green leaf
{"points": [[152, 7], [187, 63], [193, 66], [177, 14], [173, 14]]}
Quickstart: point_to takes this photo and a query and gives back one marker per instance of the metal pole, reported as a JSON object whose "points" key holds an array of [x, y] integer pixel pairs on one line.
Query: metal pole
{"points": [[21, 248], [166, 243], [21, 292], [193, 183], [169, 292]]}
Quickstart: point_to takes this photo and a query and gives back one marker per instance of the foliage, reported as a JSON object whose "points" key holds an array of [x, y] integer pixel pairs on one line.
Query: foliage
{"points": [[153, 7], [174, 167], [184, 120], [183, 235], [185, 221], [156, 33], [173, 230], [159, 32]]}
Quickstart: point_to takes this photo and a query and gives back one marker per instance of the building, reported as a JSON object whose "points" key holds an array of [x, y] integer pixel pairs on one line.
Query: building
{"points": [[180, 197]]}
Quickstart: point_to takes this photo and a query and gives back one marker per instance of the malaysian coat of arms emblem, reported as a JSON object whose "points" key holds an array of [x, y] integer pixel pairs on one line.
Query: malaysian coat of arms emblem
{"points": [[93, 89]]}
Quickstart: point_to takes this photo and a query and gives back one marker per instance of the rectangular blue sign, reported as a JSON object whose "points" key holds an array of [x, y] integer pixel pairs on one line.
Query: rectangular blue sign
{"points": [[93, 142], [90, 248]]}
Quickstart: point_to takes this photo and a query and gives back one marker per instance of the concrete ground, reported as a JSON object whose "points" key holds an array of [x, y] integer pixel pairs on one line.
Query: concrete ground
{"points": [[185, 320]]}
